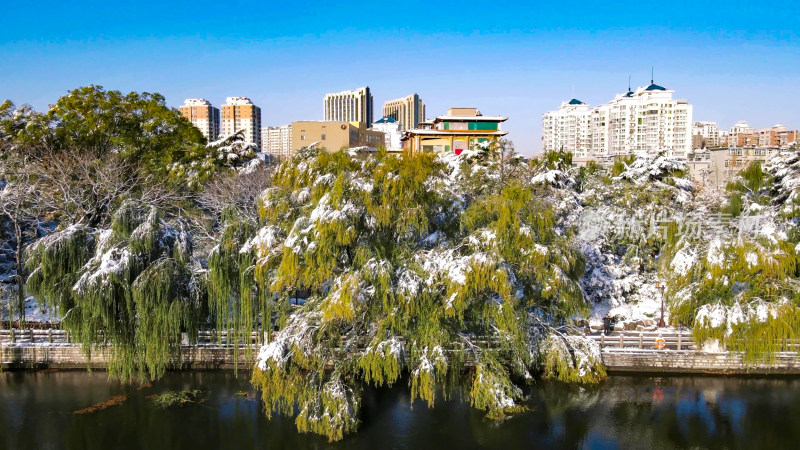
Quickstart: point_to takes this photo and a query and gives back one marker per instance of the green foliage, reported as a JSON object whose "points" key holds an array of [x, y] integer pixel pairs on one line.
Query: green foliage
{"points": [[136, 293], [621, 164], [236, 300], [200, 163], [752, 184], [140, 127], [406, 266], [170, 399], [570, 359]]}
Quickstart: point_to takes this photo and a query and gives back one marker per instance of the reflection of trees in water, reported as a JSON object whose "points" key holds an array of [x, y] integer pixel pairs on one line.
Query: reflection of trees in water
{"points": [[565, 411], [624, 412], [699, 411]]}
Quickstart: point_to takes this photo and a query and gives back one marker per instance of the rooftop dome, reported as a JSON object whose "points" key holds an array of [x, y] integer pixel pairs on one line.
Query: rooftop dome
{"points": [[385, 120], [654, 87], [575, 101]]}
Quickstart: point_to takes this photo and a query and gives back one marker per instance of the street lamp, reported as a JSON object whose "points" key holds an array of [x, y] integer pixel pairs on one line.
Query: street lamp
{"points": [[660, 286]]}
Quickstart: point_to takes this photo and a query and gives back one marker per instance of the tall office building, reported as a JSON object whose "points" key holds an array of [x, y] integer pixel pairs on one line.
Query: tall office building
{"points": [[349, 106], [646, 120], [239, 113], [203, 116], [277, 141], [408, 111]]}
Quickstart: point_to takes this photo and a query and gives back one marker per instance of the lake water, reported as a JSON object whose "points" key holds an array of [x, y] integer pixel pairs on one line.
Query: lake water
{"points": [[36, 411]]}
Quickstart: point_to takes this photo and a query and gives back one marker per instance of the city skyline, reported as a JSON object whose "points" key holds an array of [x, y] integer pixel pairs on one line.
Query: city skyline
{"points": [[732, 62]]}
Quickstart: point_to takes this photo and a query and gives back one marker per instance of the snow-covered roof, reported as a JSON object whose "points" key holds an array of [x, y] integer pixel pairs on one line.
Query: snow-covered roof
{"points": [[238, 101], [196, 102], [454, 132], [472, 118]]}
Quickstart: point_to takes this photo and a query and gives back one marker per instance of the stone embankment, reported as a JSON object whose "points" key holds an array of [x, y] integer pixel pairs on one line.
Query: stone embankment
{"points": [[627, 351]]}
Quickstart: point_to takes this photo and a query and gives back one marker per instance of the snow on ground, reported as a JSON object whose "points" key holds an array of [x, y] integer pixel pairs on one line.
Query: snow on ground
{"points": [[34, 312]]}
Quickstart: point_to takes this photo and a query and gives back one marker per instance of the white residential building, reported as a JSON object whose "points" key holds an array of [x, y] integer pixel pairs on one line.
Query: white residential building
{"points": [[391, 131], [239, 113], [645, 120], [568, 128], [349, 106], [277, 141], [741, 127]]}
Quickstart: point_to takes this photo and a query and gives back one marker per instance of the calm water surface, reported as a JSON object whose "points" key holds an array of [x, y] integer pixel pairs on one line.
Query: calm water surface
{"points": [[36, 411]]}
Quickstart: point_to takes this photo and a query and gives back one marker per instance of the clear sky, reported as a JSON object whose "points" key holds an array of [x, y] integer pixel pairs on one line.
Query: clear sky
{"points": [[732, 59]]}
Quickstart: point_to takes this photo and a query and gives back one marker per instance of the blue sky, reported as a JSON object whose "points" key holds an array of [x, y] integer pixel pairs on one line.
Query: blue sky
{"points": [[732, 59]]}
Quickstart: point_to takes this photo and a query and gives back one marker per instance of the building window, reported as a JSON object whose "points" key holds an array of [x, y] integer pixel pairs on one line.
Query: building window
{"points": [[323, 137], [302, 137]]}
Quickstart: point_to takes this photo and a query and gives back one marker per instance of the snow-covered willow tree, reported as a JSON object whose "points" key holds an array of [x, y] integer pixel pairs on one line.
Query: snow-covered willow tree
{"points": [[132, 286], [410, 265], [740, 287]]}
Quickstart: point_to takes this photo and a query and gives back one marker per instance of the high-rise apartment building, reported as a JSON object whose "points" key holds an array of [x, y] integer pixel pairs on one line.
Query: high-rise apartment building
{"points": [[239, 113], [277, 141], [203, 115], [408, 111], [349, 106], [705, 135], [569, 128], [645, 120]]}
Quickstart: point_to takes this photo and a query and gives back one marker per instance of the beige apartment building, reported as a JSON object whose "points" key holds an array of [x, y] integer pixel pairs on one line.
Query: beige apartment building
{"points": [[714, 167], [239, 113], [349, 106], [408, 111], [203, 115], [334, 135]]}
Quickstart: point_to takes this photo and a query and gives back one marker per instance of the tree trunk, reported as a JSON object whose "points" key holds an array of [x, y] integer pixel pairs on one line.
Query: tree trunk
{"points": [[18, 260]]}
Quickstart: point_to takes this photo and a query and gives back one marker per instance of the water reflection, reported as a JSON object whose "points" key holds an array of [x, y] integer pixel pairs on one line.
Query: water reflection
{"points": [[36, 411]]}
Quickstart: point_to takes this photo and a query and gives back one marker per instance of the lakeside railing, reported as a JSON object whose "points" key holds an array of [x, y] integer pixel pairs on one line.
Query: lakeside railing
{"points": [[642, 340], [55, 336], [673, 339]]}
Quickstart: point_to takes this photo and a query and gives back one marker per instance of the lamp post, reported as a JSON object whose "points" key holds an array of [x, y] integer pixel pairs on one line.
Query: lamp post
{"points": [[660, 286]]}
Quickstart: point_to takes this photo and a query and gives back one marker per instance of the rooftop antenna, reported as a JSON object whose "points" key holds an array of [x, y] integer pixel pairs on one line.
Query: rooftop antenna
{"points": [[651, 75], [629, 83], [573, 91]]}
